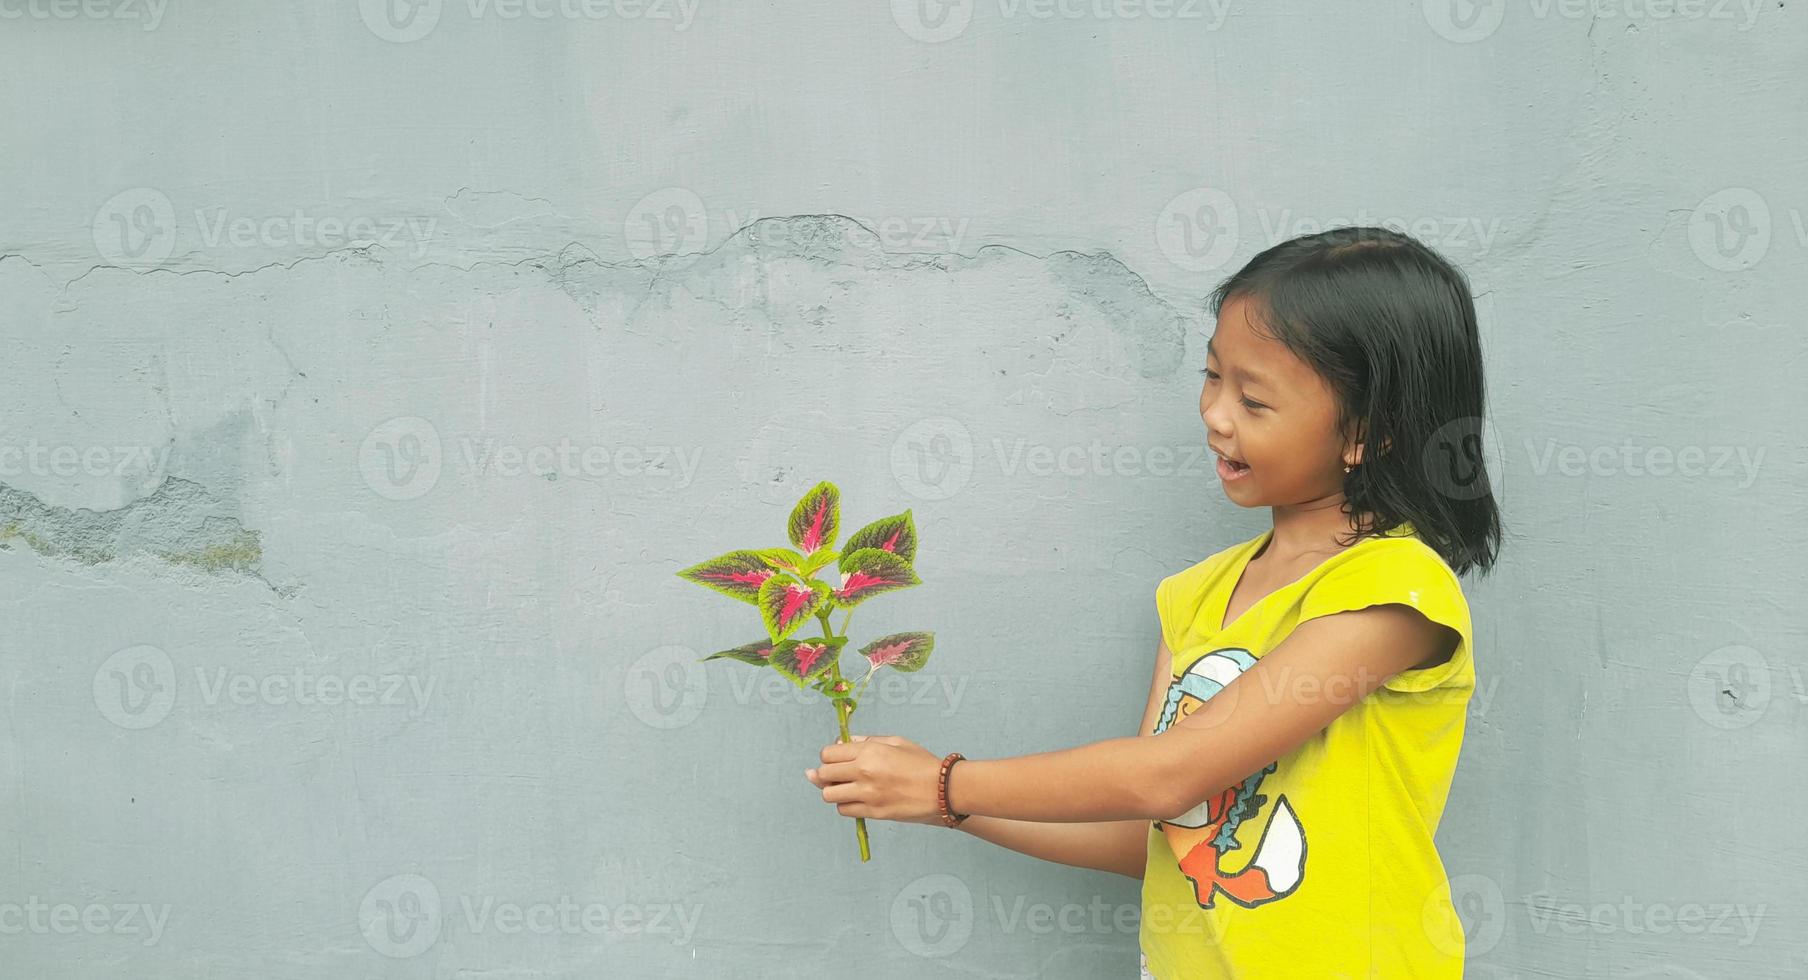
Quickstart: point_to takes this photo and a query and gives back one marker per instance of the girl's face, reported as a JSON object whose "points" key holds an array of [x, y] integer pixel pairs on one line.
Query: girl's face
{"points": [[1266, 408]]}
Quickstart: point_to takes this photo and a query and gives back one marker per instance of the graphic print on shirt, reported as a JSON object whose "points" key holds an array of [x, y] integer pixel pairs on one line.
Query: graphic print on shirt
{"points": [[1202, 836]]}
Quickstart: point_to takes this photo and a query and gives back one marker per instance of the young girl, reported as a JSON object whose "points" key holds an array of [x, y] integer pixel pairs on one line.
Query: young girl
{"points": [[1310, 683]]}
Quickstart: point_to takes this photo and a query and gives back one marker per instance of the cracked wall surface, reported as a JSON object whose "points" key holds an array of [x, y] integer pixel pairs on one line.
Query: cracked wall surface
{"points": [[365, 383]]}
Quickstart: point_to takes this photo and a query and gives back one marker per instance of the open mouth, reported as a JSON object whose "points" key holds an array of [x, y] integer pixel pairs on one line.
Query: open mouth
{"points": [[1230, 469]]}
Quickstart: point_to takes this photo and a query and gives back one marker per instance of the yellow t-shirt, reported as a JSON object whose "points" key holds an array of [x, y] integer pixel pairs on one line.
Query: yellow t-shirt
{"points": [[1321, 865]]}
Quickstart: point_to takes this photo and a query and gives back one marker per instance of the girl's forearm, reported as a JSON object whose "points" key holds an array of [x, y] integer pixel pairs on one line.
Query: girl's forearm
{"points": [[1118, 846], [1114, 780]]}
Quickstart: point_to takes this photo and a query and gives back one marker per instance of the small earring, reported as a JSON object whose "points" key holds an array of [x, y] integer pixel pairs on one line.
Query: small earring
{"points": [[1346, 469]]}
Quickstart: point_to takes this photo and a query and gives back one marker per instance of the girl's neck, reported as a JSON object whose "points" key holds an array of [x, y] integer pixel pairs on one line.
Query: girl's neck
{"points": [[1312, 528]]}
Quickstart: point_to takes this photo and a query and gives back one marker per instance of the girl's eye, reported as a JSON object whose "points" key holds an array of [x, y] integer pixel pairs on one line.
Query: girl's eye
{"points": [[1211, 375]]}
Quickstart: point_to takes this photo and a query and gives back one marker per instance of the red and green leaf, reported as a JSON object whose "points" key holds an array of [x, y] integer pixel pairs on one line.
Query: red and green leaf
{"points": [[900, 651], [806, 660], [785, 604], [870, 572], [758, 653], [738, 575], [896, 534], [816, 518]]}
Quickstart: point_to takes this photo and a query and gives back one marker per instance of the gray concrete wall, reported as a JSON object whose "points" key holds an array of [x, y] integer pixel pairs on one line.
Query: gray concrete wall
{"points": [[368, 373]]}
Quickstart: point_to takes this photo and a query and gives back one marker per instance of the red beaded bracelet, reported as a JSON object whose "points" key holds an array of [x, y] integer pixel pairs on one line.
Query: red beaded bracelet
{"points": [[949, 817]]}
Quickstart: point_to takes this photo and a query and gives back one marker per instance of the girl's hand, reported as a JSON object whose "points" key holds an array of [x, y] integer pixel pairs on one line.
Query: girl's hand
{"points": [[884, 777]]}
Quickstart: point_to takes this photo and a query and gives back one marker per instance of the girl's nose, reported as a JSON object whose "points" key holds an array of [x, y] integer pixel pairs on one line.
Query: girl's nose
{"points": [[1214, 418]]}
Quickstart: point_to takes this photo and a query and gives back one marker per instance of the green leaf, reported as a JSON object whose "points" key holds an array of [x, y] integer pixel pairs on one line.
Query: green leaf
{"points": [[805, 661], [784, 559], [815, 562], [870, 572], [785, 604], [901, 651], [757, 653], [816, 518], [738, 575], [896, 534]]}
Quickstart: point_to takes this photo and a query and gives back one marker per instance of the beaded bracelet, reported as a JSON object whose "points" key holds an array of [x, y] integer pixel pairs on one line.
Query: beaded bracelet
{"points": [[949, 817]]}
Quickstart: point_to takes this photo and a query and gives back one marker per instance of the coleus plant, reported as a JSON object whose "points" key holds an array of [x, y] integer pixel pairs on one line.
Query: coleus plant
{"points": [[782, 584]]}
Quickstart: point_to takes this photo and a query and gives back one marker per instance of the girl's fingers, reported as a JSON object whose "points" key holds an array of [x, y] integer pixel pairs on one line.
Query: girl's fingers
{"points": [[835, 772]]}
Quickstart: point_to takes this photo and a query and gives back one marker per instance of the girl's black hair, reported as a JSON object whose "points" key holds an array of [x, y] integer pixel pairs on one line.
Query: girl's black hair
{"points": [[1391, 326]]}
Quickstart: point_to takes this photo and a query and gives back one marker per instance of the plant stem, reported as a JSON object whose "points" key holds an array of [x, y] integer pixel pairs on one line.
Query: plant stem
{"points": [[844, 706], [842, 709]]}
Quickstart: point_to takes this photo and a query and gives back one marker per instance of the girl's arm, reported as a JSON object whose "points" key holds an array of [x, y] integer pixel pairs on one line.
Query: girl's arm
{"points": [[1118, 846], [1324, 667]]}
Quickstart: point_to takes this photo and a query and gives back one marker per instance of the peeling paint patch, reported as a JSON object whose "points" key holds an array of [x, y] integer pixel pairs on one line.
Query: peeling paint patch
{"points": [[754, 271], [181, 523], [1154, 330]]}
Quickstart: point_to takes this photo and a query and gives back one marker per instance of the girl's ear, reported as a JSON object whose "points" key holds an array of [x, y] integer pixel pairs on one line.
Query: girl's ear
{"points": [[1356, 438], [1360, 448]]}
